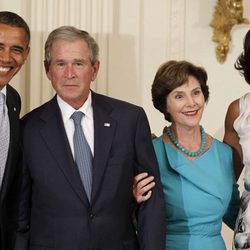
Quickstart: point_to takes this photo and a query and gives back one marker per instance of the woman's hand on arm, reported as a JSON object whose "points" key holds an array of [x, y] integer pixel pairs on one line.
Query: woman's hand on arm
{"points": [[142, 187]]}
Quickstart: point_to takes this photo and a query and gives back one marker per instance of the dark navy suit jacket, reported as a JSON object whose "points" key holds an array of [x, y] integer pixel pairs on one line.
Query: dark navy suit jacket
{"points": [[11, 180], [54, 210]]}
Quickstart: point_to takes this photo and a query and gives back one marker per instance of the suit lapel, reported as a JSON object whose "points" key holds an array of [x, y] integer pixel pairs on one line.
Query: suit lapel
{"points": [[104, 128], [54, 135]]}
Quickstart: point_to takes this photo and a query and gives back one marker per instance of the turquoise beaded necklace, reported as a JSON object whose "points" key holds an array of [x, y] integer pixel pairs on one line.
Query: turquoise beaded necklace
{"points": [[185, 151]]}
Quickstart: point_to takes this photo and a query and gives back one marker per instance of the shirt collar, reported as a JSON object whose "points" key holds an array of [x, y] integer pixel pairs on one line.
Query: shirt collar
{"points": [[68, 110]]}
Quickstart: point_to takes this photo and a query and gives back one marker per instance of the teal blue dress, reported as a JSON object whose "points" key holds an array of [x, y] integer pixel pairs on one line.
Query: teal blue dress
{"points": [[199, 194]]}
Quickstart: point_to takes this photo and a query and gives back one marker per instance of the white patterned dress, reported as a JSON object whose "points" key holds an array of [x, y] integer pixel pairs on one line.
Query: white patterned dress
{"points": [[242, 127]]}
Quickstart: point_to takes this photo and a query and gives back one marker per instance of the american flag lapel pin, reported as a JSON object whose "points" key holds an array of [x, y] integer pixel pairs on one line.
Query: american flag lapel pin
{"points": [[106, 124]]}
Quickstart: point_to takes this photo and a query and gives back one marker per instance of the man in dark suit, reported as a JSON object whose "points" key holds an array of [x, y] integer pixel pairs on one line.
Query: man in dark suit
{"points": [[14, 49], [59, 209]]}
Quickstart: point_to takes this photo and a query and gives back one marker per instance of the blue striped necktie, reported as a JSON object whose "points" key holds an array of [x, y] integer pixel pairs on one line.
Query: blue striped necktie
{"points": [[83, 155]]}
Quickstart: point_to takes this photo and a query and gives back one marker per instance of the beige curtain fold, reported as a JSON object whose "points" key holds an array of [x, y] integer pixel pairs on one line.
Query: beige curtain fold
{"points": [[134, 36], [47, 15]]}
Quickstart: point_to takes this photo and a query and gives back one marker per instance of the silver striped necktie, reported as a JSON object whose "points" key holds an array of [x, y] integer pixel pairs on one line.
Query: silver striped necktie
{"points": [[4, 135]]}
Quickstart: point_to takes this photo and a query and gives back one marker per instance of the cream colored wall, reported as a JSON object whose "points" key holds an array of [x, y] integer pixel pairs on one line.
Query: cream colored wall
{"points": [[135, 37]]}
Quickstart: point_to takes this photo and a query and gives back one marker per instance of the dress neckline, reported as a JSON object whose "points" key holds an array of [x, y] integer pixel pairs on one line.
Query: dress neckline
{"points": [[210, 145]]}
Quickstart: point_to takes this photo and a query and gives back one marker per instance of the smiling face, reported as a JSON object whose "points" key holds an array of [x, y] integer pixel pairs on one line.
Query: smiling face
{"points": [[185, 104], [71, 71], [13, 52]]}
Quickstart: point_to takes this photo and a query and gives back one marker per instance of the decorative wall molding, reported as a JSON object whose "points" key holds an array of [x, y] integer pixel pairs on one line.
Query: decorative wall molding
{"points": [[177, 20]]}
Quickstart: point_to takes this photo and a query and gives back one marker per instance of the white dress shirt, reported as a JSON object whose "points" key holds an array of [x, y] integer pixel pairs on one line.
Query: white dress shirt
{"points": [[87, 121]]}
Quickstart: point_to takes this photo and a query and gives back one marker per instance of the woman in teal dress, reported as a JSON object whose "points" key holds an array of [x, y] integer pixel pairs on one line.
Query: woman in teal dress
{"points": [[196, 170]]}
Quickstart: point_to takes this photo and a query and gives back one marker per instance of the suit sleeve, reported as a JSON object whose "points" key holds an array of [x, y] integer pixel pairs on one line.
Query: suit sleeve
{"points": [[12, 201], [151, 214], [22, 237], [231, 214]]}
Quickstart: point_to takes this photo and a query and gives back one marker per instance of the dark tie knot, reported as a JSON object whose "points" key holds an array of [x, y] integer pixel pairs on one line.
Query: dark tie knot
{"points": [[77, 117]]}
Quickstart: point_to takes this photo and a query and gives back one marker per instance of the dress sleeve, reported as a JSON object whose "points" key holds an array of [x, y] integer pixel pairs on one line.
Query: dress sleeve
{"points": [[231, 214]]}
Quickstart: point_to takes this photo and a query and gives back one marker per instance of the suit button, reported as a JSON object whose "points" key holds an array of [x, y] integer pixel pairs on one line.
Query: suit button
{"points": [[91, 216]]}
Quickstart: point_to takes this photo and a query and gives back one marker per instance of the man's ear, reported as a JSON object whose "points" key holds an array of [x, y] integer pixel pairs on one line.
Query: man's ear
{"points": [[96, 67]]}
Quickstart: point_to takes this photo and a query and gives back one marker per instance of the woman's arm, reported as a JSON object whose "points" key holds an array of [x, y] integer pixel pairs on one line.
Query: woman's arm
{"points": [[231, 137]]}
